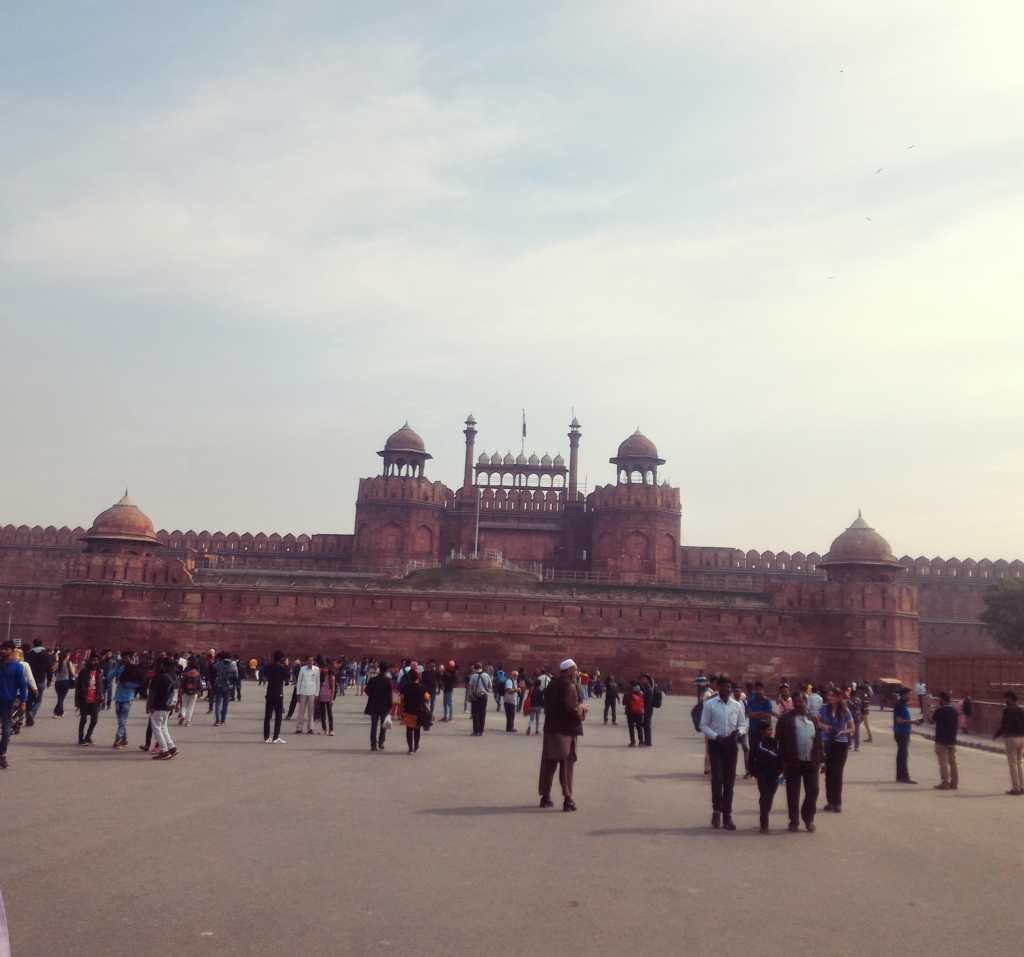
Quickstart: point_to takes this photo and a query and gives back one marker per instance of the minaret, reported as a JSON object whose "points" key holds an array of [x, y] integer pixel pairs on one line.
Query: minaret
{"points": [[574, 454], [470, 433]]}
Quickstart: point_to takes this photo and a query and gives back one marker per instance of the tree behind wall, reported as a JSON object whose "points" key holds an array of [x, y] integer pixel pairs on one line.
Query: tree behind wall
{"points": [[1004, 614]]}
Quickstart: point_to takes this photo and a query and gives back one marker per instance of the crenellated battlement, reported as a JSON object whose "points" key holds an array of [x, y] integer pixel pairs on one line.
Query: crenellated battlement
{"points": [[395, 488], [634, 496], [37, 535]]}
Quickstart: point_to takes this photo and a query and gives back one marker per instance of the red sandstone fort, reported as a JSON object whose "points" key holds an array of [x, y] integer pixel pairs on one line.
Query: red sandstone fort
{"points": [[516, 565]]}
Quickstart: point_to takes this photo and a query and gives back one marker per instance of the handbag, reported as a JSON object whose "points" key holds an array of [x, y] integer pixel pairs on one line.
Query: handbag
{"points": [[387, 722]]}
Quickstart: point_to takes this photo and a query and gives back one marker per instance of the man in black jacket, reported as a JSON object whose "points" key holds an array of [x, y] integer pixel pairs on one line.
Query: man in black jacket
{"points": [[378, 706], [947, 722], [611, 698], [276, 677], [800, 749], [431, 681], [40, 663]]}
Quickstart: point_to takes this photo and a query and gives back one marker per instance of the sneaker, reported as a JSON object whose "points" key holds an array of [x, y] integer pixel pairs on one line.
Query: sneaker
{"points": [[728, 824], [568, 805], [278, 741], [794, 827], [546, 802], [942, 787], [266, 740], [158, 756], [810, 827], [716, 820], [143, 747]]}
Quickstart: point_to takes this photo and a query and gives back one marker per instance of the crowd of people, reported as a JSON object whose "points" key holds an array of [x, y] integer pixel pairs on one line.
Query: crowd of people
{"points": [[792, 738]]}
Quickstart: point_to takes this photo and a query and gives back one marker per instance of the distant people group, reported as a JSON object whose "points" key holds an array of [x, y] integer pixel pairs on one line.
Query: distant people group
{"points": [[791, 739]]}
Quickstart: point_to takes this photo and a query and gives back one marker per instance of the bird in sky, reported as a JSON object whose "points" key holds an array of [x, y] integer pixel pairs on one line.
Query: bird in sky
{"points": [[911, 146], [868, 218], [879, 170]]}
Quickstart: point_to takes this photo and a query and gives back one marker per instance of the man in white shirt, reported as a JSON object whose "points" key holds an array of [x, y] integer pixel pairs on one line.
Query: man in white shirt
{"points": [[921, 690], [511, 699], [815, 702], [307, 687], [722, 721]]}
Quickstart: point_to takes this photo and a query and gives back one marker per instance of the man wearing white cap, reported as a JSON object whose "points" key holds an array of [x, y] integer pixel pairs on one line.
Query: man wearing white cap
{"points": [[563, 724]]}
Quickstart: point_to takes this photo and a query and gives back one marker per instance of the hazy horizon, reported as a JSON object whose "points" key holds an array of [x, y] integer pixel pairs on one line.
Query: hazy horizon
{"points": [[240, 244]]}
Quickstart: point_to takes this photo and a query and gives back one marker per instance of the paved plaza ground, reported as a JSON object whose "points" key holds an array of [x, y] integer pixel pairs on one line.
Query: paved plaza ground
{"points": [[319, 847]]}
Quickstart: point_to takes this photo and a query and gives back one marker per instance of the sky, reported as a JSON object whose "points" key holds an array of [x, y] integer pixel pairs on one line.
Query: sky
{"points": [[241, 243]]}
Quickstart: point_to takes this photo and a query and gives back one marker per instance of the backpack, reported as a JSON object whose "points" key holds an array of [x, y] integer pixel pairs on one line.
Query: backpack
{"points": [[656, 698], [636, 703], [477, 688]]}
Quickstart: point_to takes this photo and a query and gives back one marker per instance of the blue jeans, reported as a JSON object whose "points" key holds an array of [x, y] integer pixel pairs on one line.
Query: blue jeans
{"points": [[122, 709], [220, 705], [448, 696], [37, 698]]}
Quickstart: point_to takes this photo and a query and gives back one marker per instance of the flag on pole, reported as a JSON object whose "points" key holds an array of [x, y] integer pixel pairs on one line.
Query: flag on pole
{"points": [[524, 423]]}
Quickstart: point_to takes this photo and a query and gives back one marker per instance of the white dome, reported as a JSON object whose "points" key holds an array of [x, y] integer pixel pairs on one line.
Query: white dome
{"points": [[496, 459]]}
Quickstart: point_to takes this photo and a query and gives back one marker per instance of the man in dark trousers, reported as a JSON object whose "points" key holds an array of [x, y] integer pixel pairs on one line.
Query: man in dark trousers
{"points": [[647, 685], [947, 722], [563, 724], [431, 680], [722, 721], [611, 698], [276, 677], [40, 663], [378, 705], [478, 690], [800, 749], [902, 726]]}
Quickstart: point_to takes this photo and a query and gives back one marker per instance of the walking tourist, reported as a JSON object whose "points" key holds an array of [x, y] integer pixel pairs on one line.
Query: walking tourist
{"points": [[801, 753], [537, 689], [767, 767], [449, 676], [611, 699], [41, 663], [837, 727], [633, 703], [89, 699], [722, 721], [13, 695], [902, 725], [63, 679], [759, 715], [163, 695], [947, 722], [966, 713], [325, 700], [378, 706], [307, 688], [563, 724], [415, 709], [191, 685], [511, 700], [478, 690], [225, 676], [431, 680], [33, 690], [276, 677], [921, 690], [129, 679], [651, 694], [1011, 730], [864, 693]]}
